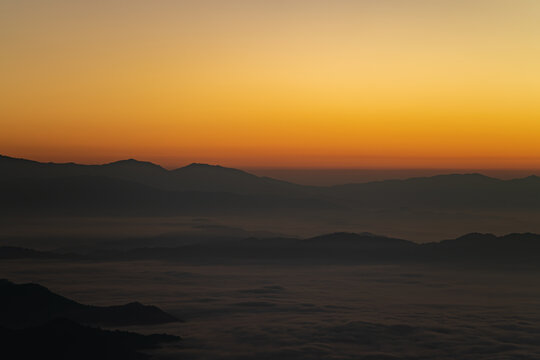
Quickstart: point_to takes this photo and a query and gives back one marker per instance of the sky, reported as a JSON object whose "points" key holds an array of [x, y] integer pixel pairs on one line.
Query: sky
{"points": [[312, 84]]}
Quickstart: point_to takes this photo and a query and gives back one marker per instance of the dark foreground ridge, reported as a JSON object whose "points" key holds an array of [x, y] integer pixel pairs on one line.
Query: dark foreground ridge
{"points": [[23, 305], [66, 339], [38, 324]]}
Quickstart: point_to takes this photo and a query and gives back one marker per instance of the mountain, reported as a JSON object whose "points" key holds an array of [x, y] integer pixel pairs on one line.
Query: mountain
{"points": [[105, 196], [194, 177], [512, 250], [363, 240], [135, 188], [203, 177], [516, 249], [340, 248], [442, 191], [63, 339], [23, 305], [330, 248]]}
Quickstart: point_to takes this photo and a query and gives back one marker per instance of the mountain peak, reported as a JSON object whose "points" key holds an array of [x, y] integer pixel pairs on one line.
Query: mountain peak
{"points": [[475, 236], [346, 236], [531, 178], [462, 176], [203, 165], [14, 159], [209, 167], [133, 163], [355, 239]]}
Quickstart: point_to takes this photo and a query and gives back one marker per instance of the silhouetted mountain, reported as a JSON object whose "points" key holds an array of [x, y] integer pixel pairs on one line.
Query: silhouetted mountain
{"points": [[131, 187], [203, 177], [479, 249], [194, 177], [103, 196], [365, 240], [482, 248], [442, 191], [65, 339], [12, 168], [329, 248], [23, 305], [474, 248]]}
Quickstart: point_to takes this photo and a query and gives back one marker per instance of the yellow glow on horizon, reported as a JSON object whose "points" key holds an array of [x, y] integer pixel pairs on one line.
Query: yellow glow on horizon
{"points": [[293, 83]]}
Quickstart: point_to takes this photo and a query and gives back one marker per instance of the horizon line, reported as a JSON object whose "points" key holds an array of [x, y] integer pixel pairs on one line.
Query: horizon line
{"points": [[431, 172]]}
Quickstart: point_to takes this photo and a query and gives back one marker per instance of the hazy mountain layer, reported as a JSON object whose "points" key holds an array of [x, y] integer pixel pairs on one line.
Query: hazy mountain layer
{"points": [[512, 250], [131, 187]]}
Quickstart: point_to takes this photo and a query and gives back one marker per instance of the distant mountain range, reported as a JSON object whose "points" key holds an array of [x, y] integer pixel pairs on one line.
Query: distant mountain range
{"points": [[338, 248], [194, 177], [132, 187], [444, 191], [514, 250]]}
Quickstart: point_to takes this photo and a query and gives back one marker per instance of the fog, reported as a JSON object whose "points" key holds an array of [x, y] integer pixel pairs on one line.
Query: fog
{"points": [[49, 232], [314, 312]]}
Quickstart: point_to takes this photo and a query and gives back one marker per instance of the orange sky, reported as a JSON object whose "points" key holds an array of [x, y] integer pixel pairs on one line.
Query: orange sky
{"points": [[295, 83]]}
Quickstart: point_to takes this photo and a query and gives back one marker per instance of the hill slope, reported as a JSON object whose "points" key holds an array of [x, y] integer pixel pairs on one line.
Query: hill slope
{"points": [[23, 305], [63, 339]]}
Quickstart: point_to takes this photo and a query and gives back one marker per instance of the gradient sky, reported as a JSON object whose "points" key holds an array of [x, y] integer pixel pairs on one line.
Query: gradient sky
{"points": [[281, 83]]}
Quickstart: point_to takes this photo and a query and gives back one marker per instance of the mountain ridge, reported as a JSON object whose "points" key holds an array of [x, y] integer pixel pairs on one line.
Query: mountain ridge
{"points": [[206, 166], [193, 177], [32, 304], [473, 249], [165, 191]]}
